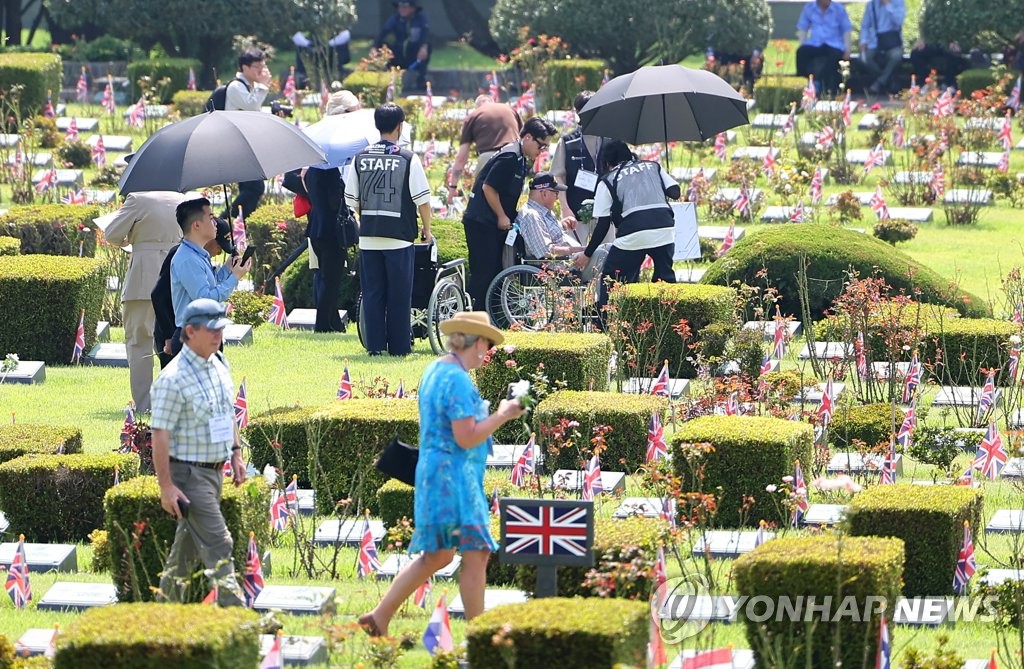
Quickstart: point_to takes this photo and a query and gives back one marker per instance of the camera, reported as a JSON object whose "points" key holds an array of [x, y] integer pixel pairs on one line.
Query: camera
{"points": [[277, 108]]}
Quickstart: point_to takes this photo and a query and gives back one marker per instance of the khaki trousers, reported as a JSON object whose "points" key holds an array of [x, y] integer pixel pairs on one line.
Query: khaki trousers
{"points": [[139, 321]]}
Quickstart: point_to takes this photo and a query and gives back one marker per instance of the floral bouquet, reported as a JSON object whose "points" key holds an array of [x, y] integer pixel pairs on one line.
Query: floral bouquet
{"points": [[521, 391], [586, 211]]}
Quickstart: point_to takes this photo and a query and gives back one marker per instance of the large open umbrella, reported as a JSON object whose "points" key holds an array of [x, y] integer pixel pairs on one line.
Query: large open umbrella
{"points": [[664, 103], [342, 136], [217, 148]]}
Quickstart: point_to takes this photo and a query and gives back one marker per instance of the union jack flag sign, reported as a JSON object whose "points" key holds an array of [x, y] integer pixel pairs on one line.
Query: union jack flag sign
{"points": [[547, 532]]}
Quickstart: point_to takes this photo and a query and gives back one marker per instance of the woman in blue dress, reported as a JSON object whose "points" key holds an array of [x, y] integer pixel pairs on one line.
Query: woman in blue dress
{"points": [[452, 513]]}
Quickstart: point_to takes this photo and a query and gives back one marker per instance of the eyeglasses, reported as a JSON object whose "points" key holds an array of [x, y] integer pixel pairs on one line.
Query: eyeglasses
{"points": [[540, 145]]}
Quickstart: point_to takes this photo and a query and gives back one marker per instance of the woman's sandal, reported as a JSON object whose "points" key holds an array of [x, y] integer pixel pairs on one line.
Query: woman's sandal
{"points": [[369, 625]]}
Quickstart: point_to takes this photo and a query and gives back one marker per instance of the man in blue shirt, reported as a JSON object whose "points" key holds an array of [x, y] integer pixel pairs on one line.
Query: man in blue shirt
{"points": [[411, 46], [881, 42], [824, 32], [192, 273]]}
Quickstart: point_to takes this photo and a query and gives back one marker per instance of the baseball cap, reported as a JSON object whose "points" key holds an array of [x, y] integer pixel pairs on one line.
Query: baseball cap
{"points": [[342, 102], [206, 313], [544, 181], [224, 236]]}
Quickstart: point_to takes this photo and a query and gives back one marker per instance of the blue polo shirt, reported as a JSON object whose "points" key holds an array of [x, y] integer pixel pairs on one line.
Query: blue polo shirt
{"points": [[192, 277], [825, 28]]}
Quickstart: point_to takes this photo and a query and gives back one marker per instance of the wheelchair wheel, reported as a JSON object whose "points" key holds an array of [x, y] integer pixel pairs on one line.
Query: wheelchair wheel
{"points": [[361, 321], [517, 298], [447, 299]]}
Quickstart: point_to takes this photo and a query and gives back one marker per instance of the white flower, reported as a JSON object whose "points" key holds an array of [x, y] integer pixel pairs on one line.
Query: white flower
{"points": [[519, 389], [770, 488], [1014, 339]]}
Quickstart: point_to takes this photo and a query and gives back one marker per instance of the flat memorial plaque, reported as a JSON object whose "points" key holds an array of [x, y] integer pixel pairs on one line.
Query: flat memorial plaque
{"points": [[904, 178], [868, 121], [767, 328], [238, 334], [1014, 469], [997, 576], [730, 367], [297, 651], [1019, 145], [297, 599], [648, 507], [642, 386], [493, 597], [813, 394], [108, 354], [1006, 521], [27, 371], [827, 349], [66, 178], [769, 121], [702, 608], [156, 111], [102, 331], [860, 156], [742, 658], [923, 611], [35, 641], [305, 319], [60, 108], [912, 214], [808, 139], [824, 514], [572, 479], [961, 396], [71, 596], [306, 498], [455, 113], [754, 152], [113, 284], [347, 532], [689, 275], [780, 214], [505, 456], [833, 106], [117, 143], [718, 232], [42, 557], [979, 158], [395, 563], [100, 196], [84, 123], [727, 543], [686, 174], [9, 141], [731, 194], [968, 196], [983, 123], [855, 463]]}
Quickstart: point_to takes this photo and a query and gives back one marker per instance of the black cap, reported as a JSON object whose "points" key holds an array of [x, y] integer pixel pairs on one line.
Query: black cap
{"points": [[224, 236], [544, 181]]}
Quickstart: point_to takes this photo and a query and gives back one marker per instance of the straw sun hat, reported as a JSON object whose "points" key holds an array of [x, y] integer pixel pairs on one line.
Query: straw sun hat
{"points": [[473, 323]]}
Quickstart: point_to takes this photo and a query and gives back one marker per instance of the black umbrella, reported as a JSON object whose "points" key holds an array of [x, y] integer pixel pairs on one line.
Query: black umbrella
{"points": [[217, 148], [664, 103]]}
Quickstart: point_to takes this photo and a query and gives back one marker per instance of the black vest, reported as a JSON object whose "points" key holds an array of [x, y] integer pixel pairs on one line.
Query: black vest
{"points": [[638, 197], [386, 208], [577, 158]]}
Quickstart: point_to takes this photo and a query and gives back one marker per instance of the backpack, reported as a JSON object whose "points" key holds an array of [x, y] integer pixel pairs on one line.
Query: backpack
{"points": [[218, 99]]}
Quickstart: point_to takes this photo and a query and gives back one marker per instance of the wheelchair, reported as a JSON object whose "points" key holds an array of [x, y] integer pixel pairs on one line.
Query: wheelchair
{"points": [[438, 293]]}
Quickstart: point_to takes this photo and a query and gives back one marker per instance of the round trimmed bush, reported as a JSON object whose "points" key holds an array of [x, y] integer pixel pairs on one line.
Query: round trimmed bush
{"points": [[869, 423], [830, 252]]}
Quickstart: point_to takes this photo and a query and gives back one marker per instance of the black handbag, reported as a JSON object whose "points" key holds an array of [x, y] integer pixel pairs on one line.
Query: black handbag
{"points": [[346, 228], [398, 460], [890, 39]]}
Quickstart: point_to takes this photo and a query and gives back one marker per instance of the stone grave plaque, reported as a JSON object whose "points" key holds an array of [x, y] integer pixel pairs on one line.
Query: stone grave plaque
{"points": [[703, 608], [648, 507], [981, 196], [689, 275], [808, 139], [793, 328], [833, 106], [155, 111], [813, 394], [4, 524], [864, 197], [238, 334], [441, 147], [868, 121], [718, 232], [1014, 469], [108, 354], [102, 331], [727, 543], [881, 370], [65, 178], [84, 123], [912, 214], [296, 599], [572, 479], [855, 463], [9, 141], [505, 456], [346, 532], [1006, 521], [493, 597], [642, 386], [42, 159], [297, 651], [455, 114], [27, 371], [827, 349], [731, 194], [754, 152], [982, 123], [860, 156], [35, 641], [309, 100], [688, 173], [997, 576], [730, 367], [824, 514], [305, 319], [904, 178], [961, 396], [116, 143], [395, 563], [923, 611], [769, 121], [781, 214], [42, 557], [742, 658], [100, 196], [71, 596], [979, 158], [306, 498], [60, 108]]}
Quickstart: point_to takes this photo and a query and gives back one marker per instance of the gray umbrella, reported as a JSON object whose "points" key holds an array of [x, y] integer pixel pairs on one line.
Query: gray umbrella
{"points": [[664, 103], [217, 148]]}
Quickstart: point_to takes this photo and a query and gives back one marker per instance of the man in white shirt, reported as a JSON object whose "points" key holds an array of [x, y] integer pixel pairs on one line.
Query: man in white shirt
{"points": [[246, 92]]}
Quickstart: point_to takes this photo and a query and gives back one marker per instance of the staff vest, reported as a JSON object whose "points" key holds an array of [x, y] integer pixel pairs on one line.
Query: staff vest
{"points": [[638, 197], [386, 208]]}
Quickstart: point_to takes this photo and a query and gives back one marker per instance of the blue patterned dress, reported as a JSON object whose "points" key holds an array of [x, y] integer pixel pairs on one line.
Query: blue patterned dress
{"points": [[451, 505]]}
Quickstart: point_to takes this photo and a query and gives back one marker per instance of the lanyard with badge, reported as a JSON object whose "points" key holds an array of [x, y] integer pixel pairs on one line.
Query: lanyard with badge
{"points": [[586, 179], [222, 426]]}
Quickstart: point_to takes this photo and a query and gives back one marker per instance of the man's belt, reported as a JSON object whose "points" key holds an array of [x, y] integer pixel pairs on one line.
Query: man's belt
{"points": [[204, 465]]}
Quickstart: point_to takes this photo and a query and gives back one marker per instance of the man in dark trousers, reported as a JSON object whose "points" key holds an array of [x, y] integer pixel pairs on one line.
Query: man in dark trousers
{"points": [[495, 202], [410, 47], [387, 187]]}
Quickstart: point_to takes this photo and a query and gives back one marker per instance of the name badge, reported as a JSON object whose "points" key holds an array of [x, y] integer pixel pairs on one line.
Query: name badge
{"points": [[586, 180], [222, 428], [511, 237]]}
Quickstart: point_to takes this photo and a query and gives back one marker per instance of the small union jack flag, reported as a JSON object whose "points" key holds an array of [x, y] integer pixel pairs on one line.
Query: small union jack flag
{"points": [[345, 385], [275, 658], [1013, 363], [190, 85], [129, 423], [48, 180], [428, 103], [912, 380], [719, 658], [800, 491], [862, 359], [527, 102], [906, 431], [1006, 133], [289, 87], [720, 146], [79, 349], [944, 104], [652, 153], [914, 88], [657, 656], [75, 197], [1004, 161], [790, 123], [991, 455], [938, 182], [592, 485], [742, 202], [524, 465], [816, 185], [368, 562], [668, 511], [799, 213], [48, 111], [1013, 102], [899, 133], [810, 95], [825, 408], [535, 529], [18, 586], [768, 164], [82, 88], [876, 158], [882, 660], [888, 473], [279, 512], [109, 105], [400, 393], [766, 365], [847, 109], [252, 579], [71, 135], [419, 598], [99, 153], [732, 405], [241, 407], [390, 93], [541, 161], [730, 234], [495, 509], [493, 88], [430, 152], [137, 113], [660, 387], [878, 204], [438, 634], [277, 314], [760, 537], [988, 395], [657, 449], [826, 138], [965, 564]]}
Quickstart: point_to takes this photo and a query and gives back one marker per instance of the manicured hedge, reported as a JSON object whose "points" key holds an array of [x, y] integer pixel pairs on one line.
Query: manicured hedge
{"points": [[140, 532], [566, 78], [750, 452], [156, 636], [663, 305], [451, 238], [274, 232], [929, 520], [53, 229], [974, 79], [38, 73], [824, 566], [176, 69], [249, 308], [776, 95], [627, 415], [23, 438], [297, 284], [10, 246], [966, 345], [59, 498], [41, 298], [829, 253], [190, 103], [869, 423], [285, 426], [601, 633], [371, 87]]}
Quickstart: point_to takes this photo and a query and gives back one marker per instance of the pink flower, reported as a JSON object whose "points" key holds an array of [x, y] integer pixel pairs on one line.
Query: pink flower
{"points": [[510, 348], [787, 479], [510, 363], [281, 225], [876, 107]]}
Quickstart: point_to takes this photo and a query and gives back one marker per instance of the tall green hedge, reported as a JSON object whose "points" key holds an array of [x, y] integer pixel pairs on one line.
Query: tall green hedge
{"points": [[155, 636], [39, 73], [190, 103], [776, 94], [451, 238], [20, 439], [286, 427], [750, 452], [297, 283], [775, 253], [626, 415], [825, 566], [956, 349], [66, 500], [371, 87], [41, 298], [601, 633], [929, 520], [663, 305], [274, 232], [176, 69], [140, 532], [52, 229], [869, 423], [566, 78]]}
